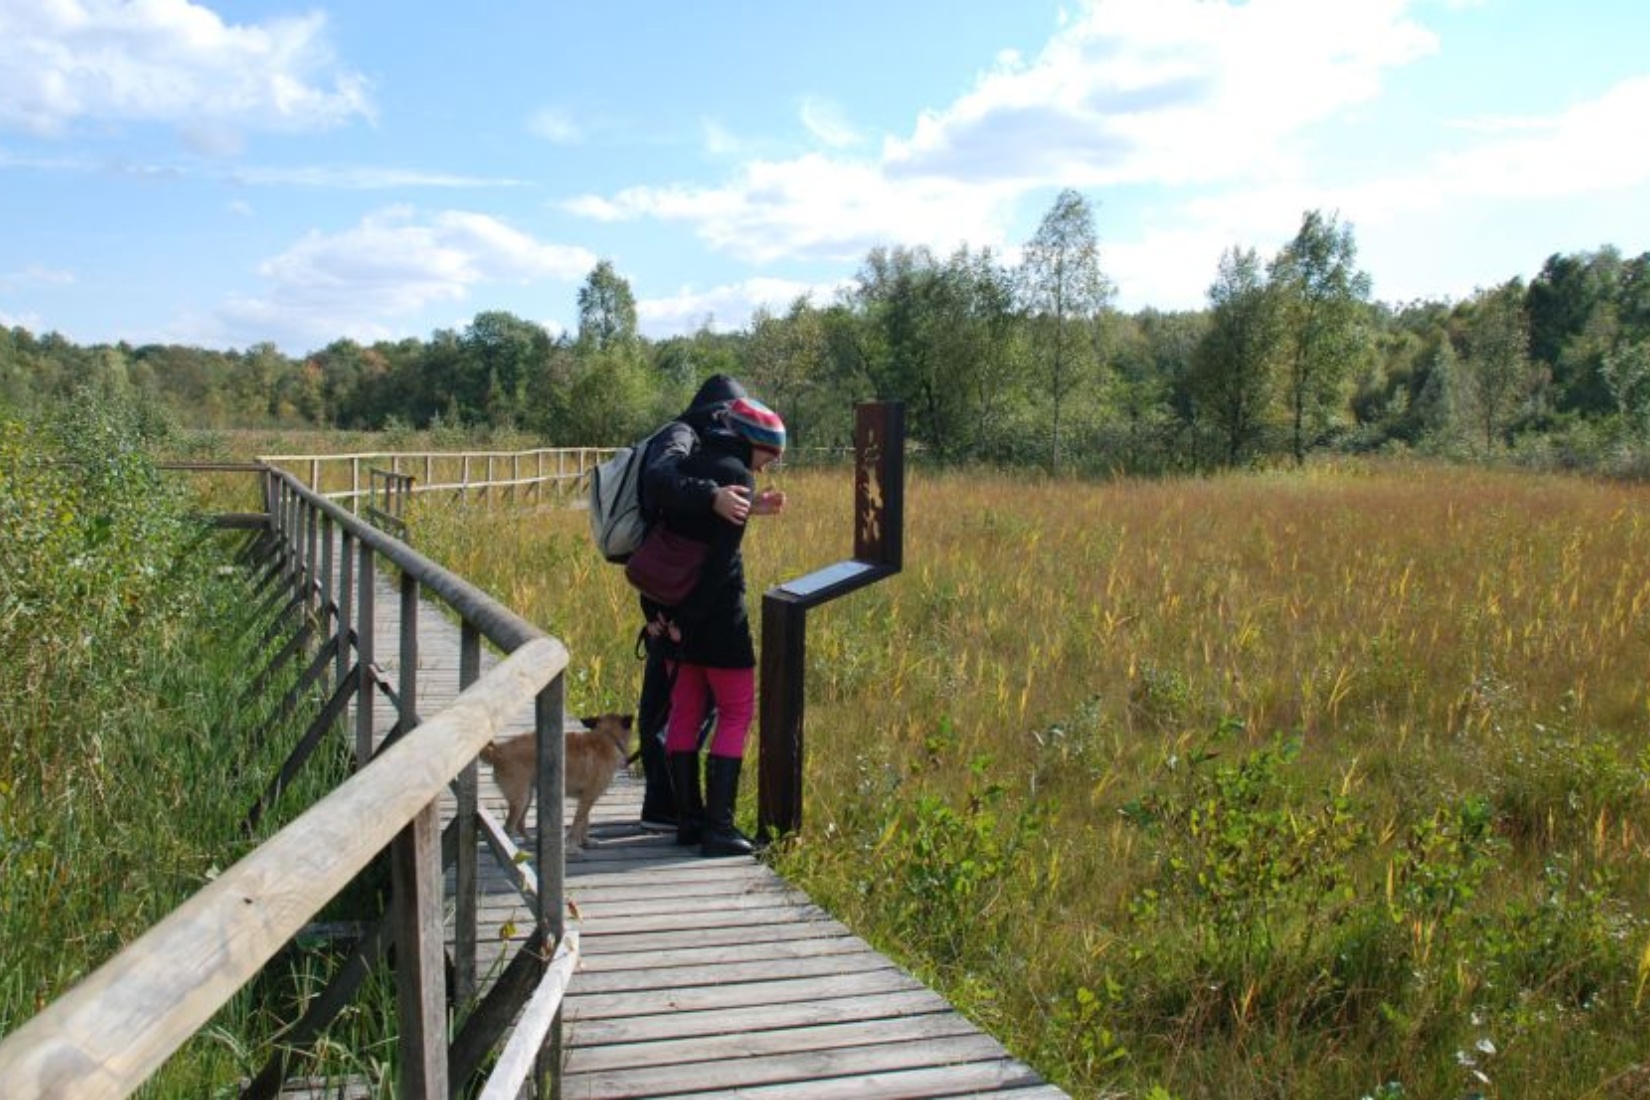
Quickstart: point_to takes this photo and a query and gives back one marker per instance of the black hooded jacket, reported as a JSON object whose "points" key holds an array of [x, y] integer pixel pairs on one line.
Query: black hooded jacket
{"points": [[665, 486], [691, 459]]}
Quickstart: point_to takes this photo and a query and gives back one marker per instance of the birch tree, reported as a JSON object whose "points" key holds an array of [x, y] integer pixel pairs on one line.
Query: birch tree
{"points": [[1064, 291]]}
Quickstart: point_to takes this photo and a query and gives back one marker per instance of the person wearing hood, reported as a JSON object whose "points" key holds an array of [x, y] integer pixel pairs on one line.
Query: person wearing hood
{"points": [[708, 634], [666, 486]]}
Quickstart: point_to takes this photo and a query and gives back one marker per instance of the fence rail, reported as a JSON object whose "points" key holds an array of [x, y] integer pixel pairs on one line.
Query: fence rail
{"points": [[113, 1030], [342, 477]]}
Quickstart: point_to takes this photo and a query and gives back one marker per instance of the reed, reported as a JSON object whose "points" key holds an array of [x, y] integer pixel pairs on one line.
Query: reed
{"points": [[1322, 783], [129, 754]]}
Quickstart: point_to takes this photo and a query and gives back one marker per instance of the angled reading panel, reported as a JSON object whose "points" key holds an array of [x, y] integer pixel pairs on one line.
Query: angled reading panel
{"points": [[832, 581]]}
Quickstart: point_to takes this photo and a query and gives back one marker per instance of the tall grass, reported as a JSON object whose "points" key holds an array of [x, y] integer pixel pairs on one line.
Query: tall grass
{"points": [[127, 756], [1320, 784]]}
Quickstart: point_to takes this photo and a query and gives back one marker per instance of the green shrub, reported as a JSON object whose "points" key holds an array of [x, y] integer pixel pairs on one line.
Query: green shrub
{"points": [[127, 765]]}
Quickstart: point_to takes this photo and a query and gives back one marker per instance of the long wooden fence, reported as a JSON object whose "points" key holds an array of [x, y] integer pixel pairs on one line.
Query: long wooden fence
{"points": [[113, 1030], [540, 472]]}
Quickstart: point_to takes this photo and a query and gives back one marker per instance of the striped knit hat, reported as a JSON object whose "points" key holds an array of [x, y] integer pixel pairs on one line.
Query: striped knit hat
{"points": [[757, 423]]}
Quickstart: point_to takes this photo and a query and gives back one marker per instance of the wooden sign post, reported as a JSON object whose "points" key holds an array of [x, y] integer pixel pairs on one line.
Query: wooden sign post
{"points": [[879, 536]]}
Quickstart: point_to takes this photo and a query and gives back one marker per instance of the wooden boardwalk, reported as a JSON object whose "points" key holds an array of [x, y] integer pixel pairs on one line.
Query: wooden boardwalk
{"points": [[714, 977]]}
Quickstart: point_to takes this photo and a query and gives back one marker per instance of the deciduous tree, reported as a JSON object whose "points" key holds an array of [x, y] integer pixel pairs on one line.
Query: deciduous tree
{"points": [[1498, 372], [607, 309], [1323, 298], [1232, 370], [1064, 291]]}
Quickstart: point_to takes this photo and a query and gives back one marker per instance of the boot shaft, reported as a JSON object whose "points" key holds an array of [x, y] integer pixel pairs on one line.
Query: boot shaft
{"points": [[720, 838], [684, 780]]}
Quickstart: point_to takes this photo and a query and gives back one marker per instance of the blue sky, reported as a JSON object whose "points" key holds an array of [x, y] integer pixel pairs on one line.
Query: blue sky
{"points": [[224, 172]]}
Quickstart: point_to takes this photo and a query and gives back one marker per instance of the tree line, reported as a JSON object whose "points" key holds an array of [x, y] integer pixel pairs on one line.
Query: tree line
{"points": [[1021, 364]]}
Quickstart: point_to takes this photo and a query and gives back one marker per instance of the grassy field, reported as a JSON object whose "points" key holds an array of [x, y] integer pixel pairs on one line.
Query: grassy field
{"points": [[1330, 783]]}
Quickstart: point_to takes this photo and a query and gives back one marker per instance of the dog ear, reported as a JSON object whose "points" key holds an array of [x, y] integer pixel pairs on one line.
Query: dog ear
{"points": [[589, 723], [626, 719]]}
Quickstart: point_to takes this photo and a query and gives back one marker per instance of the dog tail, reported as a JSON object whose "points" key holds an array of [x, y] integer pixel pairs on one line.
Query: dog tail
{"points": [[489, 753]]}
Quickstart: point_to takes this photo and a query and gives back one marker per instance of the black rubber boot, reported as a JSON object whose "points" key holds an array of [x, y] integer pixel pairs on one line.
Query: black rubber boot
{"points": [[720, 838], [684, 778]]}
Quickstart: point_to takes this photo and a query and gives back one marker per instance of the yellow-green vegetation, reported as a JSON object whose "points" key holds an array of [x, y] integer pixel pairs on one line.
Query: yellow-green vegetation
{"points": [[129, 754], [1333, 783]]}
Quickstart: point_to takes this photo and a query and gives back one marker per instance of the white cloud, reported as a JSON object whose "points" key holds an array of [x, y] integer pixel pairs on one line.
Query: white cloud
{"points": [[363, 179], [1169, 92], [1165, 91], [1579, 151], [1572, 153], [719, 140], [366, 280], [727, 308], [36, 275], [554, 125], [28, 321], [327, 177], [826, 122], [816, 207], [172, 62], [1419, 219]]}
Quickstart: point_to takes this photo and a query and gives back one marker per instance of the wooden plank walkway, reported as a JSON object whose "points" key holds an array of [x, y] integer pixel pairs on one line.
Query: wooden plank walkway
{"points": [[712, 977]]}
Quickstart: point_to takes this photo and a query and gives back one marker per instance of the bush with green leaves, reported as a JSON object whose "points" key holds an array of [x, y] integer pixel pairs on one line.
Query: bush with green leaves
{"points": [[127, 764], [91, 529]]}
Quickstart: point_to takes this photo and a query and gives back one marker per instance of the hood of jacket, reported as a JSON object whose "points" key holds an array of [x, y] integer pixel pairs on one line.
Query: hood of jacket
{"points": [[715, 394]]}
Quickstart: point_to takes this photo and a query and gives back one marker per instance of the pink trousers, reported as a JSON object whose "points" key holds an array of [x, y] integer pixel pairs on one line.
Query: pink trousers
{"points": [[732, 690]]}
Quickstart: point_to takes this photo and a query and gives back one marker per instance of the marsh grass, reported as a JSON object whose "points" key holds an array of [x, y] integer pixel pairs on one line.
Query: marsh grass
{"points": [[1329, 783], [128, 759]]}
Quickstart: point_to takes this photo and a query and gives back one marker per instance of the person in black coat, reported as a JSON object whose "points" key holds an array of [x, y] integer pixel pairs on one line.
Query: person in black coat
{"points": [[666, 486], [709, 632]]}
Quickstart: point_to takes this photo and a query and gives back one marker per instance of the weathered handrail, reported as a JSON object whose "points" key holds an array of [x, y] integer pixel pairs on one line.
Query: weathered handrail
{"points": [[114, 1029], [339, 476], [109, 1033]]}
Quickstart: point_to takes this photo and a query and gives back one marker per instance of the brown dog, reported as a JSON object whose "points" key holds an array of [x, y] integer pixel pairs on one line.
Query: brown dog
{"points": [[594, 756]]}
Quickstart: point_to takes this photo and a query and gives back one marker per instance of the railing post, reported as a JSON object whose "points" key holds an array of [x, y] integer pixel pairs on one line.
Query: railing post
{"points": [[289, 538], [312, 540], [550, 855], [331, 625], [295, 544], [779, 765], [272, 496], [295, 537], [366, 694], [415, 893], [467, 879], [346, 607]]}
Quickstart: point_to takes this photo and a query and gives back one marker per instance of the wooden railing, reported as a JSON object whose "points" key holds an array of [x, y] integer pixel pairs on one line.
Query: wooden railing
{"points": [[115, 1028], [343, 477]]}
